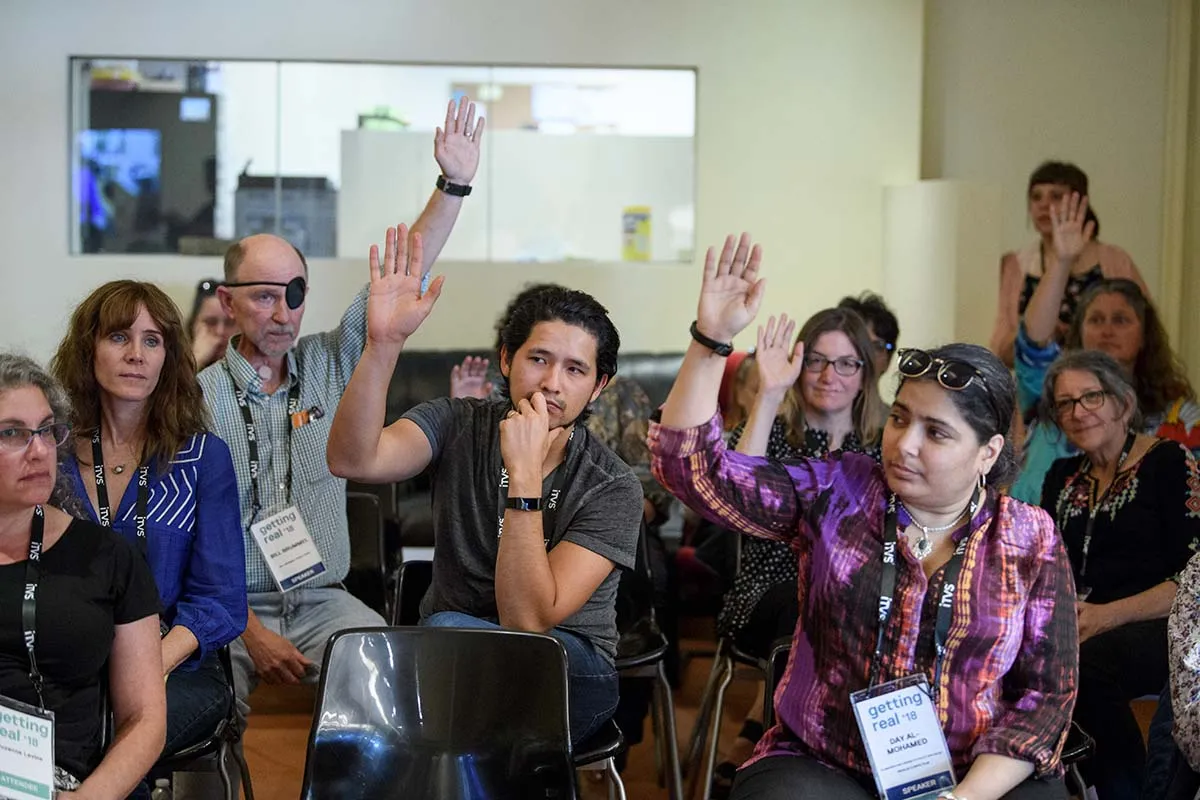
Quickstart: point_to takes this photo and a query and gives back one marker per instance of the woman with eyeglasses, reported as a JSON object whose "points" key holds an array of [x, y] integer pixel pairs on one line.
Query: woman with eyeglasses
{"points": [[143, 463], [1128, 508], [93, 606], [918, 579], [208, 325], [1022, 271], [824, 401], [1115, 317]]}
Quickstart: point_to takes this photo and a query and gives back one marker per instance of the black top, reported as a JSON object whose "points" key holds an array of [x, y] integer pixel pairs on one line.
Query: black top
{"points": [[1147, 523], [91, 580], [1076, 286]]}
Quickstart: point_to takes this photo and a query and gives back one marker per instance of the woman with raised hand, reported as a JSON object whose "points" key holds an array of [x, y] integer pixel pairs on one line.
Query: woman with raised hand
{"points": [[79, 614], [143, 463], [924, 586]]}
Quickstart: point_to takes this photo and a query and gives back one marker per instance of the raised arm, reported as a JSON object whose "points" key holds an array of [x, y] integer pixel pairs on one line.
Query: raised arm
{"points": [[730, 295], [779, 364], [456, 148], [360, 447], [1071, 235], [1008, 303]]}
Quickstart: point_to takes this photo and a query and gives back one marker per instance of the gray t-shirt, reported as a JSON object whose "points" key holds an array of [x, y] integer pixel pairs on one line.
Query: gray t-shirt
{"points": [[600, 508]]}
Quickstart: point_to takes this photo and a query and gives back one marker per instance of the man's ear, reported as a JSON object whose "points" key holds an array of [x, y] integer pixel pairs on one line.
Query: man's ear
{"points": [[226, 299], [505, 362], [600, 384]]}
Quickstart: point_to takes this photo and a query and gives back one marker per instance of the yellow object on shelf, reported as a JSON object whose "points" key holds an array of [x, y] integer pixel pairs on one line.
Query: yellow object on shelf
{"points": [[635, 239]]}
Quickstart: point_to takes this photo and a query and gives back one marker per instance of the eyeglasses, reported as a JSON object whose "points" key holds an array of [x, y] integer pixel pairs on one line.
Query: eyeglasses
{"points": [[1091, 401], [14, 440], [951, 374], [844, 366], [293, 291]]}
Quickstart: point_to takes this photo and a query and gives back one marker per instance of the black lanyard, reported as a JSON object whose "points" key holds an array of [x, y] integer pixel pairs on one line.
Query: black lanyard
{"points": [[553, 500], [887, 590], [293, 408], [104, 511], [33, 576], [1094, 504]]}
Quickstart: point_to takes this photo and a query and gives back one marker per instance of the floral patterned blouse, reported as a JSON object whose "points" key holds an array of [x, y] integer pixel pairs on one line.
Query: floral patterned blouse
{"points": [[1183, 638], [1147, 524], [766, 563]]}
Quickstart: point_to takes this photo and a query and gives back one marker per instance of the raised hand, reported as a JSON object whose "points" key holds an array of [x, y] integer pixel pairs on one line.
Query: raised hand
{"points": [[456, 146], [1071, 232], [395, 306], [469, 379], [776, 359], [731, 291]]}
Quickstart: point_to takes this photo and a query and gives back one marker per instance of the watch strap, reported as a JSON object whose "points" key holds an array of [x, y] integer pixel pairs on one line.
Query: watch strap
{"points": [[455, 189], [723, 349], [524, 503]]}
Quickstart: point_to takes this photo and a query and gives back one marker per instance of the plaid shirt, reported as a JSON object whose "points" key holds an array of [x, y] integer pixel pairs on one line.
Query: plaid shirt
{"points": [[323, 364], [1009, 675]]}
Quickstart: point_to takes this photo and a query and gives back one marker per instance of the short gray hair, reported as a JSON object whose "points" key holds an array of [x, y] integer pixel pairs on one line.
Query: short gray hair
{"points": [[18, 372], [1113, 379]]}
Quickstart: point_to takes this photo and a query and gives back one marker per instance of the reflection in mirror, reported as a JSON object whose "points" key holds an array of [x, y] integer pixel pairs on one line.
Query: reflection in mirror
{"points": [[187, 156]]}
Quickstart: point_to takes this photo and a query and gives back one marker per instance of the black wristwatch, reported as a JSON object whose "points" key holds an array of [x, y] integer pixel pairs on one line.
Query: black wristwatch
{"points": [[455, 189], [524, 503], [720, 348]]}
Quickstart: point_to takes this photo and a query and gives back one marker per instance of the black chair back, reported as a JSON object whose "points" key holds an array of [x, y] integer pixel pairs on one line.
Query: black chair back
{"points": [[776, 666], [411, 584], [366, 579], [436, 712]]}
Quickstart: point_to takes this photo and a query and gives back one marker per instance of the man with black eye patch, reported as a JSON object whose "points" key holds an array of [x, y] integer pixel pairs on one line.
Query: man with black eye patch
{"points": [[272, 399]]}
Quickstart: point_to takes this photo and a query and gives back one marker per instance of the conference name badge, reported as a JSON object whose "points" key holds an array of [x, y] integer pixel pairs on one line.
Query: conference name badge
{"points": [[26, 751], [289, 550], [904, 739]]}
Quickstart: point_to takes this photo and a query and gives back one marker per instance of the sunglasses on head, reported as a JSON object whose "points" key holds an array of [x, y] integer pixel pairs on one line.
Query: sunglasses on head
{"points": [[293, 290], [950, 373]]}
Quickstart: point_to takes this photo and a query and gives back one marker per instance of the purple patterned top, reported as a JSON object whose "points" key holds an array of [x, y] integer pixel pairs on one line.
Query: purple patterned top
{"points": [[1011, 662]]}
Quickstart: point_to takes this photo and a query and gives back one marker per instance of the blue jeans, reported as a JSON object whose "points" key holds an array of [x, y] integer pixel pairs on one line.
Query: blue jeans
{"points": [[196, 704], [306, 618], [591, 679]]}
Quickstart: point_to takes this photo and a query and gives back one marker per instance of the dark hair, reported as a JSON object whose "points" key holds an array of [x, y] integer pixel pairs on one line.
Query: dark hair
{"points": [[1104, 368], [871, 308], [204, 289], [237, 253], [1158, 376], [520, 298], [867, 406], [988, 407], [176, 408], [1064, 173], [551, 302]]}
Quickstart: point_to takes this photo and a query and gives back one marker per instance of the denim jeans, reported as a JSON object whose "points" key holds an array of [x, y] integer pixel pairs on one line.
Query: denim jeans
{"points": [[591, 679], [195, 704], [306, 618]]}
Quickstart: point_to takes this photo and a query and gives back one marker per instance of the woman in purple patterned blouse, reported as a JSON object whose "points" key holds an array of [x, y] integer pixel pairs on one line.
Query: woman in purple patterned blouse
{"points": [[1006, 684]]}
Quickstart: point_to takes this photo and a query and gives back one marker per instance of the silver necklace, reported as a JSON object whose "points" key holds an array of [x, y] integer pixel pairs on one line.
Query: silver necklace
{"points": [[924, 547]]}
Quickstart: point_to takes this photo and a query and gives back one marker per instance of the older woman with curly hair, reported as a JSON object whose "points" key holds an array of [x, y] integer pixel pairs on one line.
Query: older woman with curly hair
{"points": [[144, 464]]}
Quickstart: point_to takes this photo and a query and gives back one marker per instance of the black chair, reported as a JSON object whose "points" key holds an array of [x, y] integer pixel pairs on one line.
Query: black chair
{"points": [[775, 667], [598, 752], [368, 567], [641, 653], [436, 712]]}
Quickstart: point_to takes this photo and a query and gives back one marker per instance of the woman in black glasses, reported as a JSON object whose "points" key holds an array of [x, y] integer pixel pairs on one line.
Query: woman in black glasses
{"points": [[1129, 510], [920, 584], [824, 402], [93, 607]]}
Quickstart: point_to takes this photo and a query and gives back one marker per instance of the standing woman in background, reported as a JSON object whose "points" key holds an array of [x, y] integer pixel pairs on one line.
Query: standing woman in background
{"points": [[143, 463], [1020, 271], [208, 325]]}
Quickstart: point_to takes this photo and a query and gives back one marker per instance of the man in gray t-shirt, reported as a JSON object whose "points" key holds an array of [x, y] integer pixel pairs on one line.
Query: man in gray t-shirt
{"points": [[532, 515]]}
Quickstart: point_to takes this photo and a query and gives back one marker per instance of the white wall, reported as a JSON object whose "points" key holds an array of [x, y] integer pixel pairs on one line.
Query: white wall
{"points": [[806, 109], [1010, 84]]}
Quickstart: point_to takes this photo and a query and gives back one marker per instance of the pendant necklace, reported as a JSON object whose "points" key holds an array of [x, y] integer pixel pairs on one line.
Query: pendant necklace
{"points": [[924, 546]]}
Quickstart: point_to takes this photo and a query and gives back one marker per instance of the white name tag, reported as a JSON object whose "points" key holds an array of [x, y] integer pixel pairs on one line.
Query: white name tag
{"points": [[26, 751], [904, 740], [290, 552]]}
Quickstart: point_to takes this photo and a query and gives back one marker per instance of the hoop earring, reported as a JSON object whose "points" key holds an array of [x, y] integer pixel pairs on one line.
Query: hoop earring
{"points": [[982, 483]]}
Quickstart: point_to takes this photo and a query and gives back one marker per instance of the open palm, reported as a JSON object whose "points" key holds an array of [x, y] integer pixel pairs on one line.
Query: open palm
{"points": [[1071, 230], [731, 291], [395, 306], [456, 146], [777, 360]]}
